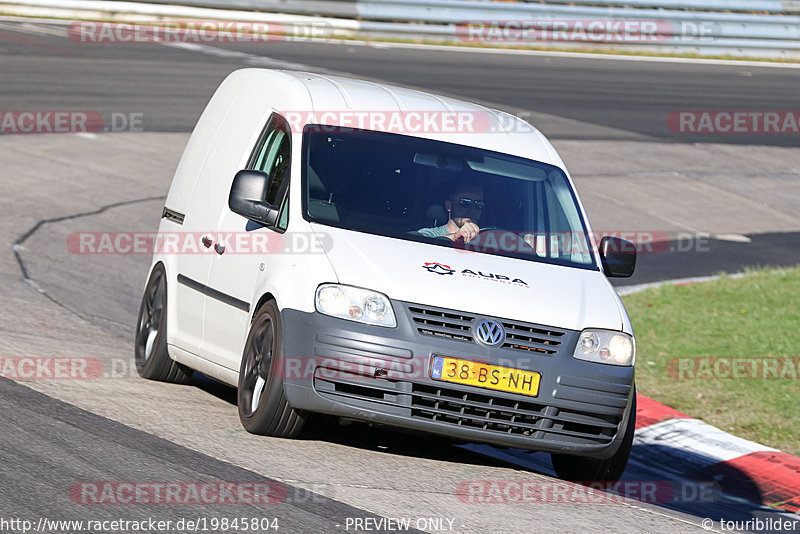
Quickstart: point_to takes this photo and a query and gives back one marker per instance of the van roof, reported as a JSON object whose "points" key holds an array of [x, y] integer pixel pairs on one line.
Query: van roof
{"points": [[338, 100]]}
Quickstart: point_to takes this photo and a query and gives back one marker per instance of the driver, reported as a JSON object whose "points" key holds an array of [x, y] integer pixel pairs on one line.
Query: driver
{"points": [[464, 208]]}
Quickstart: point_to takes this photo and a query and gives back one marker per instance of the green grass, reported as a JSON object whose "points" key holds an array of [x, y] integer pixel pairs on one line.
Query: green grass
{"points": [[756, 316]]}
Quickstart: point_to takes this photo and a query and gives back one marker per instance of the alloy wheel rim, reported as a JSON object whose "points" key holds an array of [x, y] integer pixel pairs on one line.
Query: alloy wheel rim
{"points": [[150, 321], [259, 359]]}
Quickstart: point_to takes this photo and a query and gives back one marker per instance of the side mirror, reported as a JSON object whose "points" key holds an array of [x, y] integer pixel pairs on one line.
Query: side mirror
{"points": [[618, 256], [247, 197]]}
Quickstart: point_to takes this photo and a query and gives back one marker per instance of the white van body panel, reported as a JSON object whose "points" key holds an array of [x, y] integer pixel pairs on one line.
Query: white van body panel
{"points": [[249, 89], [219, 146], [481, 283], [495, 130]]}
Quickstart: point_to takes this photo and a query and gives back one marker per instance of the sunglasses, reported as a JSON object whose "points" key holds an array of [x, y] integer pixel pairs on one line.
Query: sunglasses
{"points": [[468, 202]]}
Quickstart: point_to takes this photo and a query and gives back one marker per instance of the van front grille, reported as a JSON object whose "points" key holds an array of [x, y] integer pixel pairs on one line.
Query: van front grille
{"points": [[539, 421], [473, 409], [434, 322], [451, 324]]}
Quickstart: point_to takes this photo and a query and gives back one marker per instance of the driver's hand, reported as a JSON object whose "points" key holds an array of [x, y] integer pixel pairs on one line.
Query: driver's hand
{"points": [[468, 231]]}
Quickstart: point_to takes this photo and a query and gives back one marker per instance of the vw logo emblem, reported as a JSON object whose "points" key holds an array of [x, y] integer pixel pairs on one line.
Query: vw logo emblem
{"points": [[489, 333]]}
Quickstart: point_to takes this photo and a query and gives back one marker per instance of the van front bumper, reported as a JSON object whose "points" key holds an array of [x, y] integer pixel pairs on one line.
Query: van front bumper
{"points": [[383, 375]]}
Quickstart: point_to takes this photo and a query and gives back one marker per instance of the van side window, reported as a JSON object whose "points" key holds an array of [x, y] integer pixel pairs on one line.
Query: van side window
{"points": [[272, 155]]}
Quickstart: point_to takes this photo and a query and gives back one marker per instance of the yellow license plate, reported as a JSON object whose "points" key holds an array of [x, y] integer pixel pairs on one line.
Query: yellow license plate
{"points": [[485, 375]]}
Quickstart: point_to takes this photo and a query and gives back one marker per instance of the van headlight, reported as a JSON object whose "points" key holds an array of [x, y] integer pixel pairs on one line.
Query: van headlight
{"points": [[355, 304], [605, 346]]}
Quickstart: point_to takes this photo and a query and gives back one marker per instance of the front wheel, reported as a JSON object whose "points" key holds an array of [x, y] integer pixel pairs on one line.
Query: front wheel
{"points": [[585, 469], [263, 408]]}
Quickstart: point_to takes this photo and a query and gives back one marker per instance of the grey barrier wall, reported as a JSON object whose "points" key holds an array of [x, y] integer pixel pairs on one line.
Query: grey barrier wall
{"points": [[754, 28]]}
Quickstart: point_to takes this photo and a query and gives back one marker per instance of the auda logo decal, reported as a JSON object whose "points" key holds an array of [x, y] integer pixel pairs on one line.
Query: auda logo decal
{"points": [[438, 268], [442, 269]]}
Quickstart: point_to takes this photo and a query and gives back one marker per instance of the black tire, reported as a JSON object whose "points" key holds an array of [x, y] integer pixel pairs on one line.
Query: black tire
{"points": [[150, 345], [263, 408], [584, 469]]}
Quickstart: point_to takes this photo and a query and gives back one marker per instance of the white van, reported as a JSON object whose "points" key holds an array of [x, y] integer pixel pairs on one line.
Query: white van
{"points": [[330, 245]]}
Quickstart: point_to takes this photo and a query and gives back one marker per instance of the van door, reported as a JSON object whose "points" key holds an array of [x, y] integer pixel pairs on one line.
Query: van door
{"points": [[243, 252], [192, 240], [193, 265]]}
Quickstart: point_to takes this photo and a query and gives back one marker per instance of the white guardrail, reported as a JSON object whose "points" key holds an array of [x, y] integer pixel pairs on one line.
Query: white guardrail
{"points": [[743, 28]]}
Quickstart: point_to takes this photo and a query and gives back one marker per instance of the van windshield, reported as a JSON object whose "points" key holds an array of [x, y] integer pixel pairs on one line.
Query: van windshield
{"points": [[423, 190]]}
